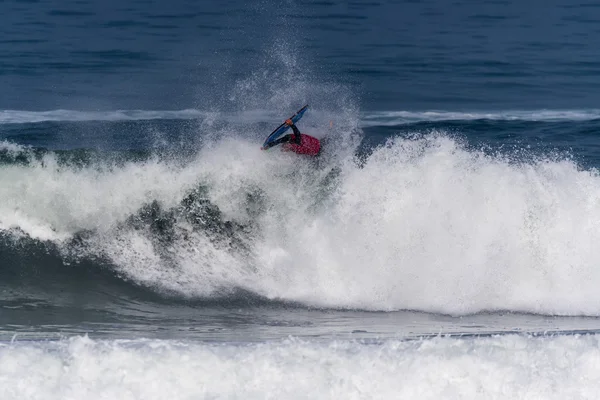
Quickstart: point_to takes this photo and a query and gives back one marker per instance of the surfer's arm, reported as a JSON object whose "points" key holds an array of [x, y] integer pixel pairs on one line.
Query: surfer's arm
{"points": [[296, 137], [284, 139], [295, 129]]}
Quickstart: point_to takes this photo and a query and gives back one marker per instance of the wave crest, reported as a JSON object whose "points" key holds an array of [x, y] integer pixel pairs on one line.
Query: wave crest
{"points": [[423, 223]]}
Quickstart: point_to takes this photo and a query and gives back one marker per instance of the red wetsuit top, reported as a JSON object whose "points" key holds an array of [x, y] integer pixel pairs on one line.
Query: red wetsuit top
{"points": [[310, 146], [298, 142]]}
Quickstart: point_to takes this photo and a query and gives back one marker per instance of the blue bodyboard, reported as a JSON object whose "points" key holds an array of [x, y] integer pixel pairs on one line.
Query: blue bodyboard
{"points": [[281, 129]]}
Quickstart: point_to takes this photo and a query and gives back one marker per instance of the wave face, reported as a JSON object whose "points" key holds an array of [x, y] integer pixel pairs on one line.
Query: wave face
{"points": [[549, 368], [422, 223]]}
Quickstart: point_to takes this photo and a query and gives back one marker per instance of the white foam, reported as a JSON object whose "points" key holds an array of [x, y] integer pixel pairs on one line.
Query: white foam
{"points": [[24, 116], [12, 148], [422, 224], [505, 367], [392, 118], [427, 225], [52, 202], [247, 116]]}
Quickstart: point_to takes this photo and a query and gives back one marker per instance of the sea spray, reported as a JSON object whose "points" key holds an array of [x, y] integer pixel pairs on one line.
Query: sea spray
{"points": [[422, 223]]}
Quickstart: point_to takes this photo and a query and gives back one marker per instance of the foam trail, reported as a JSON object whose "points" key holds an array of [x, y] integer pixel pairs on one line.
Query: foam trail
{"points": [[504, 367], [25, 117], [372, 118], [393, 118]]}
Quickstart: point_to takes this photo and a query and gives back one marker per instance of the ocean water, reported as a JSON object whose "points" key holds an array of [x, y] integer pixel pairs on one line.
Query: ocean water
{"points": [[443, 245]]}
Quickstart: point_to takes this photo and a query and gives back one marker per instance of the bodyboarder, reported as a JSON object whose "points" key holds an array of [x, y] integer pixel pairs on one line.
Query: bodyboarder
{"points": [[296, 142]]}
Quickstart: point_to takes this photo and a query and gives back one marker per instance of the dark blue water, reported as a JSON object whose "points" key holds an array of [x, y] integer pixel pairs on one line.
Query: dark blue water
{"points": [[393, 55]]}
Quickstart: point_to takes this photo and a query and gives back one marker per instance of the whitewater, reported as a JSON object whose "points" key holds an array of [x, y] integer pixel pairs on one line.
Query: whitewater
{"points": [[496, 367], [423, 223]]}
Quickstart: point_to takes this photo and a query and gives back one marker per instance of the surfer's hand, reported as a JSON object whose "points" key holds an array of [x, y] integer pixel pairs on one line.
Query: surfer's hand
{"points": [[289, 122]]}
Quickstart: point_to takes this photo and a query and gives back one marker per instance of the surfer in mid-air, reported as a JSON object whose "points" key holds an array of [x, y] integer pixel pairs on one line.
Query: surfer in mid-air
{"points": [[297, 142]]}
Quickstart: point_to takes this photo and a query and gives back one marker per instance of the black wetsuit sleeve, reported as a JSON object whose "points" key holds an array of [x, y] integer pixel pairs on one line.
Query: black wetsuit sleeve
{"points": [[293, 138], [283, 139], [296, 137]]}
